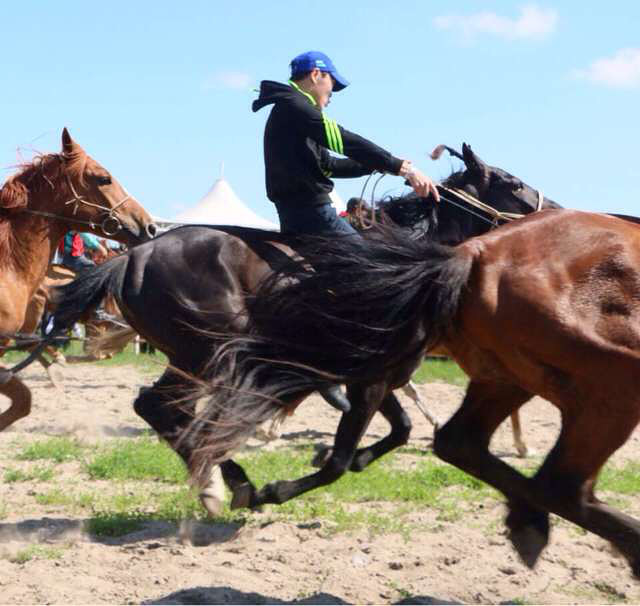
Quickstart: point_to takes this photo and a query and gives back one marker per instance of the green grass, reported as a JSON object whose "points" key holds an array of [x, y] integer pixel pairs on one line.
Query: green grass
{"points": [[382, 481], [146, 363], [121, 514], [622, 480], [40, 552], [52, 449], [58, 497], [440, 370], [146, 461], [35, 474], [116, 524], [144, 458], [429, 483]]}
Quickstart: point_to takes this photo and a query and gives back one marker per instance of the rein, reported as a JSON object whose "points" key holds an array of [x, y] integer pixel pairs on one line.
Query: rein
{"points": [[460, 194], [110, 225], [497, 215]]}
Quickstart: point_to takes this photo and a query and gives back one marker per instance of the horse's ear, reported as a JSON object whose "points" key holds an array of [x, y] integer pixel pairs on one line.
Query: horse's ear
{"points": [[68, 144], [474, 164]]}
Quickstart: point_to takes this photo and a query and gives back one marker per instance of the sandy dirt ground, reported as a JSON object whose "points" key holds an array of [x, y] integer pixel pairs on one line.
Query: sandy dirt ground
{"points": [[465, 561]]}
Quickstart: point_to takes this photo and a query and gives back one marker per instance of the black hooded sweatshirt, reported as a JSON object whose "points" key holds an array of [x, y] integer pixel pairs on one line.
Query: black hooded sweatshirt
{"points": [[297, 138]]}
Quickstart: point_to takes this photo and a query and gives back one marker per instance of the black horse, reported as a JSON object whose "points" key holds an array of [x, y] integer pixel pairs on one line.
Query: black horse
{"points": [[191, 282]]}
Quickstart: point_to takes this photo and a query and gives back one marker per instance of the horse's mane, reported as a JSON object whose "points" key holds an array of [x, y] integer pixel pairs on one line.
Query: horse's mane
{"points": [[39, 175]]}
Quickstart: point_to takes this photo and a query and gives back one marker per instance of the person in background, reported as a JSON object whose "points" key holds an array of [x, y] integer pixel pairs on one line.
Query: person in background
{"points": [[72, 247], [358, 213]]}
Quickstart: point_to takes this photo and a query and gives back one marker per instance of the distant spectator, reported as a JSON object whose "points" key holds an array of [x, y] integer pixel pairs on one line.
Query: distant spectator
{"points": [[358, 213], [72, 248]]}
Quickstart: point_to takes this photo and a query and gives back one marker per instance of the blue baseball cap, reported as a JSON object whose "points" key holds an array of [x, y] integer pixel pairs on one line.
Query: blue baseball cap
{"points": [[311, 60]]}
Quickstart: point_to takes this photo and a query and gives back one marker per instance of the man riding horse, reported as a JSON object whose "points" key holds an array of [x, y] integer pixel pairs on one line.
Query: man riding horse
{"points": [[297, 140]]}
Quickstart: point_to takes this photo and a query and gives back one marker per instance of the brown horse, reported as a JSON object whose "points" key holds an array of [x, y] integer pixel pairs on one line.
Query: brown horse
{"points": [[57, 275], [47, 198], [547, 305]]}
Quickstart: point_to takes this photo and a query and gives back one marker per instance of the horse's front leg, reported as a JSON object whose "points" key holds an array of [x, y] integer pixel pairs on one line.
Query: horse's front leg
{"points": [[365, 401], [20, 396], [400, 423]]}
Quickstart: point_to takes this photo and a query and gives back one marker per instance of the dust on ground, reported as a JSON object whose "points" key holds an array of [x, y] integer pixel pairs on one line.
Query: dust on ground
{"points": [[465, 561]]}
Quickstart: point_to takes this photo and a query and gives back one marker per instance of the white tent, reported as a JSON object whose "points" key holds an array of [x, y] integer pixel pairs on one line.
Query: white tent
{"points": [[337, 202], [221, 206]]}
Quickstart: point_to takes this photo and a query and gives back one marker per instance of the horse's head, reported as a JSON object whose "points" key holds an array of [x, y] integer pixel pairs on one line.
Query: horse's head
{"points": [[94, 196], [492, 185]]}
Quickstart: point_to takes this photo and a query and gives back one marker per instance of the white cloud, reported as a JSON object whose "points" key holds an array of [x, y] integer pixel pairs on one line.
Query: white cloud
{"points": [[620, 71], [532, 22], [229, 79]]}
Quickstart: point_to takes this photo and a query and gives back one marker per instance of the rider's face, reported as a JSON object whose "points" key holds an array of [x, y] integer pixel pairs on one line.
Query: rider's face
{"points": [[322, 87]]}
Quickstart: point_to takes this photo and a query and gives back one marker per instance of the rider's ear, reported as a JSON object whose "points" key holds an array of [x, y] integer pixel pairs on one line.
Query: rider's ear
{"points": [[68, 144]]}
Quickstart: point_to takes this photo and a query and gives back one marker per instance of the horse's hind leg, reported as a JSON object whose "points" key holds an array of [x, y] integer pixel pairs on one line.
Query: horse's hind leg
{"points": [[365, 401], [591, 433], [400, 423], [518, 441], [410, 390], [164, 408], [20, 397], [158, 406]]}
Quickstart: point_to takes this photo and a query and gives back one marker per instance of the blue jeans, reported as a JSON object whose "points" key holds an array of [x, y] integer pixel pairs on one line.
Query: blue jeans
{"points": [[77, 263], [312, 220]]}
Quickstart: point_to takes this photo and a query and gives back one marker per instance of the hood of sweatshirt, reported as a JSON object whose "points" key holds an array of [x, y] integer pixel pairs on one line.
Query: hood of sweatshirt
{"points": [[272, 92]]}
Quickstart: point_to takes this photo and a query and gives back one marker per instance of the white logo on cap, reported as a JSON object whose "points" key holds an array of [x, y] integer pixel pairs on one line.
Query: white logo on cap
{"points": [[320, 63]]}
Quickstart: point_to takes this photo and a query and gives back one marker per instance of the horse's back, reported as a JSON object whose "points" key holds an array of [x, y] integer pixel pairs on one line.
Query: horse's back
{"points": [[190, 279], [564, 287]]}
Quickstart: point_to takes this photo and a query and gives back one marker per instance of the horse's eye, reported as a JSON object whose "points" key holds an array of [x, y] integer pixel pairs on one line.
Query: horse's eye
{"points": [[103, 180]]}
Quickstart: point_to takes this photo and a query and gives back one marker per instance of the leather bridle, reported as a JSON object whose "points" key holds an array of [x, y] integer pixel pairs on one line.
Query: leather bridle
{"points": [[110, 225]]}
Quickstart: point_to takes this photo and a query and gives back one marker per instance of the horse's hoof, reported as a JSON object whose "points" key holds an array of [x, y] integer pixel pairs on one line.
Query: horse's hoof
{"points": [[529, 542], [211, 503], [242, 496], [322, 456]]}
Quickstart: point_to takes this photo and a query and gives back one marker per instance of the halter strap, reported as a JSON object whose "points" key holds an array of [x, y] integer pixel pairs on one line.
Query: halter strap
{"points": [[111, 215], [497, 215]]}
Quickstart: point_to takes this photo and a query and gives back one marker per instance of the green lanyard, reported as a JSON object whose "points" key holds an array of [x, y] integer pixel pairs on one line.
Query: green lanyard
{"points": [[307, 95]]}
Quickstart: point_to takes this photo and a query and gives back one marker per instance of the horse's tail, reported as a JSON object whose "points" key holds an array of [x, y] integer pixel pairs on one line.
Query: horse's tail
{"points": [[364, 309], [86, 292]]}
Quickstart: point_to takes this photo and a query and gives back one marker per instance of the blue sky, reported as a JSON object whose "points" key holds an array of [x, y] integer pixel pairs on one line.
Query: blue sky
{"points": [[160, 92]]}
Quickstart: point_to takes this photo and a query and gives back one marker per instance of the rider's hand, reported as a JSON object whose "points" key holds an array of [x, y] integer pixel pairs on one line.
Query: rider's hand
{"points": [[421, 183]]}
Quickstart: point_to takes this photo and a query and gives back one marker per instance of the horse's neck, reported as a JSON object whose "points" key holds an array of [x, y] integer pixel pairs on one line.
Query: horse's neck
{"points": [[36, 239]]}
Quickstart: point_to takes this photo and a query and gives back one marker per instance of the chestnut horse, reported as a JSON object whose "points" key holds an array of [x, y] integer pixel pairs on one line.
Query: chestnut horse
{"points": [[546, 305], [199, 278], [47, 198], [57, 275]]}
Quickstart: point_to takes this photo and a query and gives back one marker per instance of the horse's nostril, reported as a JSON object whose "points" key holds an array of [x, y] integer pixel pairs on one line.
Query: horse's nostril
{"points": [[152, 230]]}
